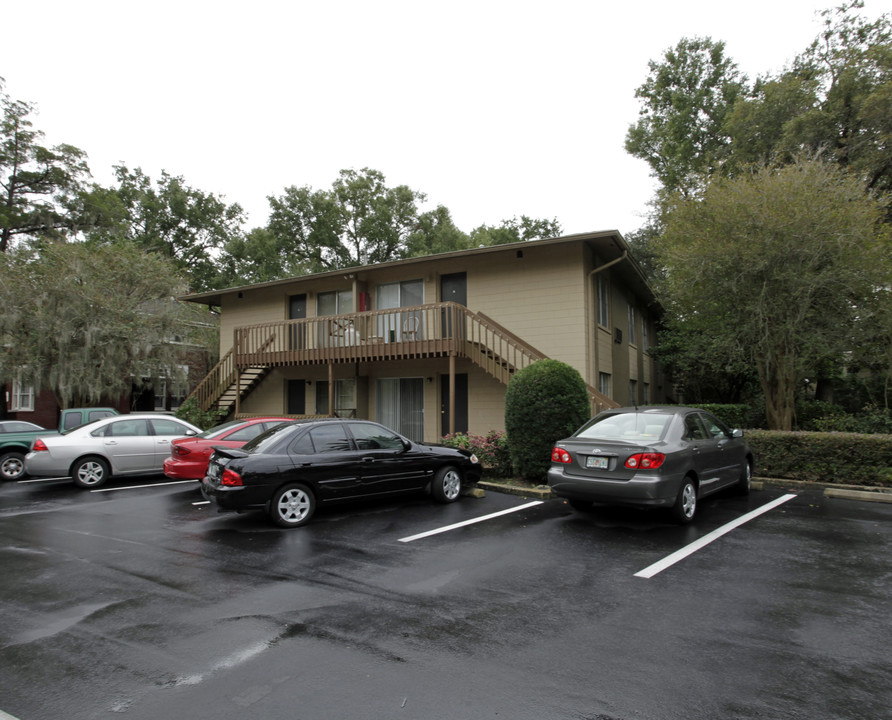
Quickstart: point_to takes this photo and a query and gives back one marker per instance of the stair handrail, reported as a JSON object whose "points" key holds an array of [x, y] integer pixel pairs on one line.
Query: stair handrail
{"points": [[215, 383]]}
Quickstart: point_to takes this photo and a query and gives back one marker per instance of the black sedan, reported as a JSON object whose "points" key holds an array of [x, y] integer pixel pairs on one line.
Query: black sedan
{"points": [[288, 470], [650, 457]]}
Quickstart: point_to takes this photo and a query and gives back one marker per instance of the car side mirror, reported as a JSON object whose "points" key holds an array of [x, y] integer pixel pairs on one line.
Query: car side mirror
{"points": [[737, 433]]}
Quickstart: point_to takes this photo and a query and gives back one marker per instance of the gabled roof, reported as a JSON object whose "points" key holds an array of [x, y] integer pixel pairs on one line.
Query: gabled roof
{"points": [[608, 244]]}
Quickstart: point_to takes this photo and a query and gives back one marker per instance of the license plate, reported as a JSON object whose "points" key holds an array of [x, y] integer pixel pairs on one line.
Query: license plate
{"points": [[596, 463]]}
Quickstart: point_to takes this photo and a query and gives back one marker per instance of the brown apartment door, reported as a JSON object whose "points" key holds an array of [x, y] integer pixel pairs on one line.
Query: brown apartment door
{"points": [[453, 288], [297, 310], [461, 403]]}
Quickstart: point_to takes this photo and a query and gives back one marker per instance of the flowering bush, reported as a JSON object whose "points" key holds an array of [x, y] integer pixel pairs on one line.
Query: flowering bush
{"points": [[491, 449]]}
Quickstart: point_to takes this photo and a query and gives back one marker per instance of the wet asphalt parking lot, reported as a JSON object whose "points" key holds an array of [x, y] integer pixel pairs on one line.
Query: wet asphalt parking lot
{"points": [[142, 603]]}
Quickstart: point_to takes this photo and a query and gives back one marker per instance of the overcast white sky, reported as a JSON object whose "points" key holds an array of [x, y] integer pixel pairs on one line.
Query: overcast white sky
{"points": [[494, 109]]}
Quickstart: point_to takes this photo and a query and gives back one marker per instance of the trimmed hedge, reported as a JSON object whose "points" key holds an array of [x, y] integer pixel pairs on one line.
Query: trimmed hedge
{"points": [[834, 457], [546, 401]]}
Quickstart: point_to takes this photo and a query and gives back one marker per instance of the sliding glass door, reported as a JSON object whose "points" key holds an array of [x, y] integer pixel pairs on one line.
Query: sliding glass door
{"points": [[399, 404]]}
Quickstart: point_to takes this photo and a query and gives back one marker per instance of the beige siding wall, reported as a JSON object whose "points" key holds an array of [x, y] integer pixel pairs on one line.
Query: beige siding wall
{"points": [[544, 294], [486, 396]]}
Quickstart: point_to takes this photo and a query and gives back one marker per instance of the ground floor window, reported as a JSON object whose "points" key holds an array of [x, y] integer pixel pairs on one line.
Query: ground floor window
{"points": [[399, 404], [604, 384], [344, 397], [171, 388], [22, 397]]}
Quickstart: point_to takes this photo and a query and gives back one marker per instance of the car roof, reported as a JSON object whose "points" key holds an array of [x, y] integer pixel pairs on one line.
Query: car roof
{"points": [[656, 409]]}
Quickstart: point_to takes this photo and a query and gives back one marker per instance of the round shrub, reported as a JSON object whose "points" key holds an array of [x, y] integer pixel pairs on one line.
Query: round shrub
{"points": [[545, 402]]}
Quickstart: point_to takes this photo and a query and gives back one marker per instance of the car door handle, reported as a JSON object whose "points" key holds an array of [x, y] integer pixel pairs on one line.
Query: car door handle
{"points": [[368, 459]]}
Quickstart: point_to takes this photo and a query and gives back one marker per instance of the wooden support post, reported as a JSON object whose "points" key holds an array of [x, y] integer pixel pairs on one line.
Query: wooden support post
{"points": [[451, 393], [331, 407]]}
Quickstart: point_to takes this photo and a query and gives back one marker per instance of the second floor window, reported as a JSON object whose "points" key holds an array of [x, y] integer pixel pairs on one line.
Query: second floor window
{"points": [[603, 294], [334, 303], [632, 338]]}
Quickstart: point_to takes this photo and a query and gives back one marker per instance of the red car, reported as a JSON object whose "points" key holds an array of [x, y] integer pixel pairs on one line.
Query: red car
{"points": [[189, 455]]}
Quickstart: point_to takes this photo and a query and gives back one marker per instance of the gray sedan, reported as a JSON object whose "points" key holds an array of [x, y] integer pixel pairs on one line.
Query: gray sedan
{"points": [[650, 457], [119, 445]]}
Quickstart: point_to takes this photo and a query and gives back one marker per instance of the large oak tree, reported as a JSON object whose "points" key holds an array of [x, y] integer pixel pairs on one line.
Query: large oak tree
{"points": [[40, 185], [777, 267], [87, 322]]}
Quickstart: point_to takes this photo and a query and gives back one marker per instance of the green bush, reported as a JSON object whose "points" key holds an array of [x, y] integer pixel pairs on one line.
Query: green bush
{"points": [[491, 449], [190, 412], [870, 420], [842, 458], [545, 402]]}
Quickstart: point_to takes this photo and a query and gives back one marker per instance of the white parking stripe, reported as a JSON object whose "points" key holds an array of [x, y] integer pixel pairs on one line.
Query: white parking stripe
{"points": [[137, 487], [37, 480], [679, 555], [469, 522]]}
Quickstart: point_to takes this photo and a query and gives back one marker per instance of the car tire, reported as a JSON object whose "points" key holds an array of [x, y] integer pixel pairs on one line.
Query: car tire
{"points": [[292, 506], [685, 506], [446, 486], [746, 479], [12, 466], [90, 472]]}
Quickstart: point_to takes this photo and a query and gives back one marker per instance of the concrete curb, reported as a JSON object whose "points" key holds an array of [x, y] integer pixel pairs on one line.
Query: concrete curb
{"points": [[867, 493], [847, 492], [542, 492], [882, 496]]}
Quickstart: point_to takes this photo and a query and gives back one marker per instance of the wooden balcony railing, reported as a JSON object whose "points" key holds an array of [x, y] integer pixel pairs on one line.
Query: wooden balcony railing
{"points": [[421, 331]]}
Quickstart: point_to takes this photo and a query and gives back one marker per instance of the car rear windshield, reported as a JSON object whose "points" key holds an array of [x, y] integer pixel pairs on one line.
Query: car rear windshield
{"points": [[219, 429], [626, 426]]}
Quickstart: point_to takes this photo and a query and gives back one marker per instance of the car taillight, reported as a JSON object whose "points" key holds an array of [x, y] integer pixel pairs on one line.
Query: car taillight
{"points": [[39, 446], [559, 455], [645, 461], [231, 479], [180, 450]]}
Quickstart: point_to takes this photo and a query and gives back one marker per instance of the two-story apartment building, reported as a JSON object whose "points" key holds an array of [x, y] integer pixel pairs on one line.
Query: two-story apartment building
{"points": [[428, 345]]}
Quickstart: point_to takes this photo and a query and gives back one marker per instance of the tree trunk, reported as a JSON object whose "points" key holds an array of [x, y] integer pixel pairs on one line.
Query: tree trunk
{"points": [[777, 377]]}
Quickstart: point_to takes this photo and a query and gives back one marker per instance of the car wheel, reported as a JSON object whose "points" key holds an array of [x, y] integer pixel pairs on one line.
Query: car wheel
{"points": [[686, 503], [90, 472], [12, 466], [292, 506], [447, 485], [746, 479]]}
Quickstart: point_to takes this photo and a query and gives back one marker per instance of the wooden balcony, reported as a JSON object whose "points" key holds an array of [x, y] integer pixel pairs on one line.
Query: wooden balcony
{"points": [[422, 331]]}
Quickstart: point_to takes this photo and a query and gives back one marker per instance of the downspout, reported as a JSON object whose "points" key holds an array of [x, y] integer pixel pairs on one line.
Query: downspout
{"points": [[590, 276]]}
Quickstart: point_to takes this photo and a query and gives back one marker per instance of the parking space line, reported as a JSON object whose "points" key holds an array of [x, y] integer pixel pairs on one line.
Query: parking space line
{"points": [[447, 528], [137, 487], [679, 555], [39, 480]]}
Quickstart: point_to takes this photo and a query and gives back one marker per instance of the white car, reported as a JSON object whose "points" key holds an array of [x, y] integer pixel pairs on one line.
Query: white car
{"points": [[118, 445]]}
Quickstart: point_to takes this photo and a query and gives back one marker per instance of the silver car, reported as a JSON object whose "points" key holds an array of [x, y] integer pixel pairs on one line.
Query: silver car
{"points": [[118, 445], [650, 457]]}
